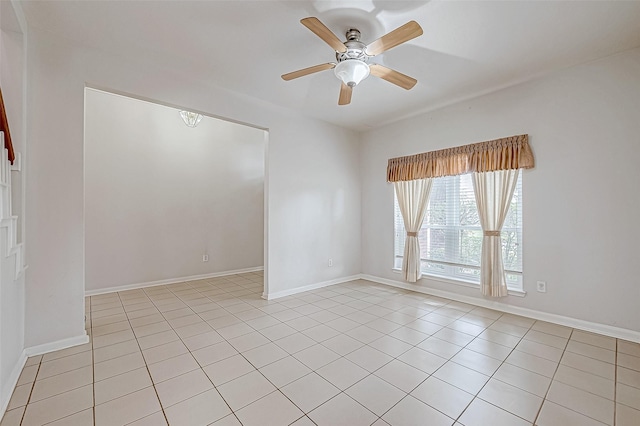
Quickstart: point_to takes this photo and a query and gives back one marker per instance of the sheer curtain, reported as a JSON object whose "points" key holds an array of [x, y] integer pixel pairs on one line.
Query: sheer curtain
{"points": [[493, 192], [413, 197]]}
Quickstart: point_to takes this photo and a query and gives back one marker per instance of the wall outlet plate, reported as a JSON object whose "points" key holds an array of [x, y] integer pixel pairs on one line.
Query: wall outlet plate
{"points": [[330, 262], [541, 286], [205, 257]]}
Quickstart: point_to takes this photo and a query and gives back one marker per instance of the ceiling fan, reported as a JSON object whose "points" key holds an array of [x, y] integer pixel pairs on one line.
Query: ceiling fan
{"points": [[353, 57]]}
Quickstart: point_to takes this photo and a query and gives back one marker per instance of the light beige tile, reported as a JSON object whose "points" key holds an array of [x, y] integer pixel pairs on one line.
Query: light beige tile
{"points": [[500, 338], [594, 339], [628, 396], [540, 350], [342, 373], [553, 414], [581, 401], [203, 409], [477, 361], [13, 417], [59, 406], [529, 381], [193, 330], [156, 419], [592, 351], [453, 336], [61, 383], [442, 396], [342, 410], [295, 342], [202, 340], [422, 360], [116, 350], [272, 410], [63, 365], [117, 366], [33, 360], [481, 413], [284, 371], [532, 363], [248, 341], [629, 361], [439, 347], [626, 416], [228, 369], [20, 396], [112, 338], [585, 381], [128, 408], [375, 394], [462, 377], [245, 389], [214, 353], [156, 327], [172, 367], [629, 348], [411, 411], [277, 331], [401, 375], [110, 328], [183, 387], [83, 418], [590, 365], [628, 377], [157, 339], [316, 356], [264, 355], [164, 352], [509, 398], [554, 329], [124, 384]]}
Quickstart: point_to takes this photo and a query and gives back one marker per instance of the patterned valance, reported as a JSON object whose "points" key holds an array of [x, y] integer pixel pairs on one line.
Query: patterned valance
{"points": [[500, 154]]}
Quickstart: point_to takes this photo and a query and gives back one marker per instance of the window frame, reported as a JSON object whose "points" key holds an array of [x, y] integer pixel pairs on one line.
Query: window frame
{"points": [[453, 275]]}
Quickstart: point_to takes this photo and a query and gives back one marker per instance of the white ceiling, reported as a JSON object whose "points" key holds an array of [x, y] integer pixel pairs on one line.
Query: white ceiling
{"points": [[468, 47]]}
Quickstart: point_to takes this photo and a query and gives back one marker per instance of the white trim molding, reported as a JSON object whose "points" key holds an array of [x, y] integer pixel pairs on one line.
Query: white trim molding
{"points": [[283, 293], [57, 345], [607, 330], [171, 281], [7, 388]]}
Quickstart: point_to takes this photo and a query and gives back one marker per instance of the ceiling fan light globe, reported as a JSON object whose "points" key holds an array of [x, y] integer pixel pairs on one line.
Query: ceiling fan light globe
{"points": [[351, 71]]}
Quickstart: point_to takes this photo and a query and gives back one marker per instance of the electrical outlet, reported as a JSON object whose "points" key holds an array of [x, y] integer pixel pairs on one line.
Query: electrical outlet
{"points": [[205, 257], [542, 286], [330, 262]]}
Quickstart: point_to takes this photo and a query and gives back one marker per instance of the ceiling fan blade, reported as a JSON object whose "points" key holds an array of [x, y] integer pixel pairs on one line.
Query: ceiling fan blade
{"points": [[392, 76], [408, 31], [319, 29], [345, 95], [307, 71]]}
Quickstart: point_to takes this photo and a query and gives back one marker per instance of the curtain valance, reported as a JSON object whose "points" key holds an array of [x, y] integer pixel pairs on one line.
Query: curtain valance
{"points": [[500, 154]]}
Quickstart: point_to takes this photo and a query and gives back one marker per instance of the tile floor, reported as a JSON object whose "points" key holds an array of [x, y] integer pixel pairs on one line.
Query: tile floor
{"points": [[212, 352]]}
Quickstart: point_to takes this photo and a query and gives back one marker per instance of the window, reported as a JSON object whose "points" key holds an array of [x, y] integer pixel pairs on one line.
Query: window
{"points": [[451, 235]]}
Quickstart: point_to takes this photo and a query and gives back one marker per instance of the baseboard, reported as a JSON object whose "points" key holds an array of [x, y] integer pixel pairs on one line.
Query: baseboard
{"points": [[57, 345], [171, 281], [12, 381], [278, 294], [607, 330]]}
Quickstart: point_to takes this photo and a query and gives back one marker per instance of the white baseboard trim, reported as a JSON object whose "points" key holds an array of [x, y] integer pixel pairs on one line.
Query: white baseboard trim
{"points": [[607, 330], [171, 281], [12, 381], [278, 294], [57, 345]]}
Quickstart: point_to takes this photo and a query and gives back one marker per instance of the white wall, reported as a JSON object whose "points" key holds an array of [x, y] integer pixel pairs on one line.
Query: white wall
{"points": [[580, 217], [159, 194], [12, 305], [313, 187]]}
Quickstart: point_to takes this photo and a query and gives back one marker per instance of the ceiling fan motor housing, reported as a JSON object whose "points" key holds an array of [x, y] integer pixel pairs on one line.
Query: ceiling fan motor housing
{"points": [[355, 48]]}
